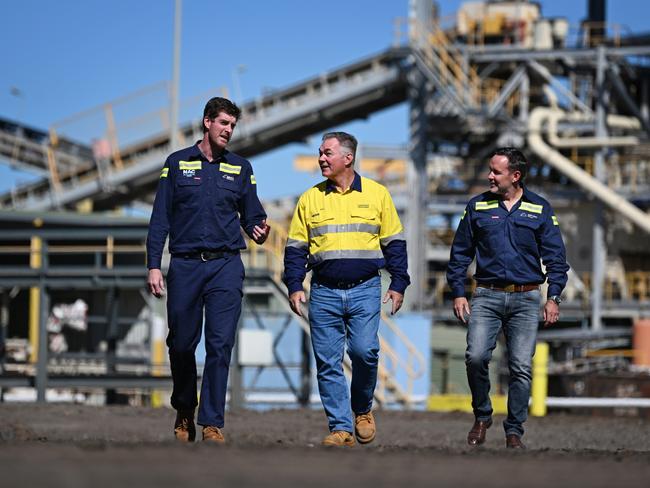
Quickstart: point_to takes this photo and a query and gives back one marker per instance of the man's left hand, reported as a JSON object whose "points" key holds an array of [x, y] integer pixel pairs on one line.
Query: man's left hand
{"points": [[396, 298], [261, 232], [551, 313]]}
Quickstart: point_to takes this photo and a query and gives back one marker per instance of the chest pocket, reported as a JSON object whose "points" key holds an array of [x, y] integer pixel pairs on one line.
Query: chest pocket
{"points": [[320, 218], [365, 216], [489, 233], [188, 191], [487, 224], [320, 223], [525, 231], [229, 192]]}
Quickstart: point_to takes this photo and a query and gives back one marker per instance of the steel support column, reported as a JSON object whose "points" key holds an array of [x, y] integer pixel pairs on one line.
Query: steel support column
{"points": [[599, 253], [418, 183], [41, 364]]}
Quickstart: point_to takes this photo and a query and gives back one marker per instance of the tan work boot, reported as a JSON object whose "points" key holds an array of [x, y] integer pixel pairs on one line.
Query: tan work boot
{"points": [[339, 438], [213, 434], [184, 429], [364, 427]]}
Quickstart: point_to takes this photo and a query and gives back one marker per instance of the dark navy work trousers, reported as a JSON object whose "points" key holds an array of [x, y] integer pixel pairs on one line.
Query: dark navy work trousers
{"points": [[192, 287]]}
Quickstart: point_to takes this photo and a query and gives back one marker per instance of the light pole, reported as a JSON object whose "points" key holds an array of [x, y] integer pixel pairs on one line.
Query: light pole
{"points": [[20, 96], [173, 113], [239, 70]]}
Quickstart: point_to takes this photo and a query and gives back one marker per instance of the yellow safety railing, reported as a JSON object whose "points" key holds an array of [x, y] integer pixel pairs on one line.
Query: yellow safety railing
{"points": [[450, 402], [446, 60], [114, 134]]}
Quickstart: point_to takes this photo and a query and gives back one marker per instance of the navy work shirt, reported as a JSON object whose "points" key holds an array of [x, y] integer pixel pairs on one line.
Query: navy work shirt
{"points": [[201, 205], [508, 245]]}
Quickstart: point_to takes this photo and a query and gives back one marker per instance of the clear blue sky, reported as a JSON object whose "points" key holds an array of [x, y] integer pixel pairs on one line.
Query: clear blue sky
{"points": [[70, 55]]}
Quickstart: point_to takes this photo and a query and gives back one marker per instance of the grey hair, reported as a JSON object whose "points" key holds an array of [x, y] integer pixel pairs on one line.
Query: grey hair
{"points": [[347, 141]]}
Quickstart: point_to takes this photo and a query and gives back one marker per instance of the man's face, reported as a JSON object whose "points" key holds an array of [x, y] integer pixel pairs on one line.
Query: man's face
{"points": [[333, 159], [500, 178], [220, 129]]}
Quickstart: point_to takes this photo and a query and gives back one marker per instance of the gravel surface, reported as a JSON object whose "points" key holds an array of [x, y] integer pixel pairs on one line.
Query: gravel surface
{"points": [[75, 446]]}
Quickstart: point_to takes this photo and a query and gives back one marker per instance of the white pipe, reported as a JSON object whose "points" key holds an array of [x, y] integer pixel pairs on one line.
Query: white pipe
{"points": [[597, 402], [612, 120], [577, 174]]}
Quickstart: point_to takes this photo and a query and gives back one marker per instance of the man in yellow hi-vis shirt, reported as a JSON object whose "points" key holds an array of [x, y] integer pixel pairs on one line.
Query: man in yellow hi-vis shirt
{"points": [[345, 229]]}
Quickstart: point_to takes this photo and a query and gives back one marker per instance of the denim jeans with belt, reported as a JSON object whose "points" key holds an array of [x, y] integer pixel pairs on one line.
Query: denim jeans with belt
{"points": [[338, 318], [518, 314]]}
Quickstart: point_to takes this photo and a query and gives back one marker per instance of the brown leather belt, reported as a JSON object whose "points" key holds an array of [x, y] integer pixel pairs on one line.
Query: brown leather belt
{"points": [[511, 288]]}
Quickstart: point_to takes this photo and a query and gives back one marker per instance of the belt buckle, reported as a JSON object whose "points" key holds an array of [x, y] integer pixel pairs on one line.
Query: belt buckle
{"points": [[509, 288], [203, 258]]}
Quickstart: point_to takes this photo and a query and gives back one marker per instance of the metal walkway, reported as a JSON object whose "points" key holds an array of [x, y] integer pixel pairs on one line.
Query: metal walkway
{"points": [[278, 118]]}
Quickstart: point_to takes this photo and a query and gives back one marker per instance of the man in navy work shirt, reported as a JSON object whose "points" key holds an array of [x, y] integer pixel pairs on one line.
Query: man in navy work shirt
{"points": [[345, 229], [204, 195], [508, 229]]}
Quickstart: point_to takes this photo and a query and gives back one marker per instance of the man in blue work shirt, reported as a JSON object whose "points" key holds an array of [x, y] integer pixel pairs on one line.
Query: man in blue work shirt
{"points": [[345, 229], [508, 228], [204, 195]]}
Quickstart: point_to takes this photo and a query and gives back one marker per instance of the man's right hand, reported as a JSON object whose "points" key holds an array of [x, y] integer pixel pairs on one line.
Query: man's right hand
{"points": [[156, 283], [461, 307], [295, 300]]}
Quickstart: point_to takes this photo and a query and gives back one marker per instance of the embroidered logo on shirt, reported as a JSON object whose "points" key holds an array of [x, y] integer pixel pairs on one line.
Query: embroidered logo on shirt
{"points": [[495, 216], [189, 173], [530, 216], [228, 177]]}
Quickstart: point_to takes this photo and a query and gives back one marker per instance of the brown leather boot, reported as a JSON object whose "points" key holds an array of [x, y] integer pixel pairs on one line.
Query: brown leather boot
{"points": [[213, 434], [184, 429], [364, 427], [476, 436], [514, 442], [339, 438]]}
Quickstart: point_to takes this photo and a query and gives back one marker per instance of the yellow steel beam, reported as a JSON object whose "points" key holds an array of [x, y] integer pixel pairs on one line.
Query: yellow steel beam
{"points": [[35, 262]]}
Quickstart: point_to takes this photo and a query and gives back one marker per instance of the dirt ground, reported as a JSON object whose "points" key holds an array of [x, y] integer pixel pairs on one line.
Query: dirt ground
{"points": [[80, 446]]}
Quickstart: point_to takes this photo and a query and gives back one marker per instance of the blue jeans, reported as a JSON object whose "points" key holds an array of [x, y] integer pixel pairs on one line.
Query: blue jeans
{"points": [[340, 317], [518, 315]]}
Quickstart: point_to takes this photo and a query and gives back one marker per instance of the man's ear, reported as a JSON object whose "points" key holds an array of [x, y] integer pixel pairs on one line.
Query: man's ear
{"points": [[206, 121], [516, 176], [349, 160]]}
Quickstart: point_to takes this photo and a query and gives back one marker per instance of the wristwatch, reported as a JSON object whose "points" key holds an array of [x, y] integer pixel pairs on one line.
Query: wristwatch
{"points": [[556, 298]]}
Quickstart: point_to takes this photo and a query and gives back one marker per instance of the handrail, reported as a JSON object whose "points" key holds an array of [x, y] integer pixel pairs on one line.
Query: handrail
{"points": [[441, 55]]}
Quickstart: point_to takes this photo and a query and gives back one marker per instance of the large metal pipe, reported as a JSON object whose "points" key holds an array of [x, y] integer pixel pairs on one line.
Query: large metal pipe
{"points": [[577, 174], [612, 121]]}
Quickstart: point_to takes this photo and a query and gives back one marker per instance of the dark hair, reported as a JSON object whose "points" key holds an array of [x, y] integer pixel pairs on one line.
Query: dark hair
{"points": [[346, 140], [516, 160], [215, 106]]}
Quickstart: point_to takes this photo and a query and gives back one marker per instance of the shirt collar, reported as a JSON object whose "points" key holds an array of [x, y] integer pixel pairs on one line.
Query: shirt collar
{"points": [[198, 154], [330, 186], [526, 194]]}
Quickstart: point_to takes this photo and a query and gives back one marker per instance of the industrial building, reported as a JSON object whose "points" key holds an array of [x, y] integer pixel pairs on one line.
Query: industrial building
{"points": [[499, 73]]}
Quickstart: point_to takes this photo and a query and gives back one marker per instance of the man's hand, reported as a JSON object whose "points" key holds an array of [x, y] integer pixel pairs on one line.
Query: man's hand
{"points": [[295, 300], [461, 308], [551, 312], [261, 232], [156, 283], [397, 300]]}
